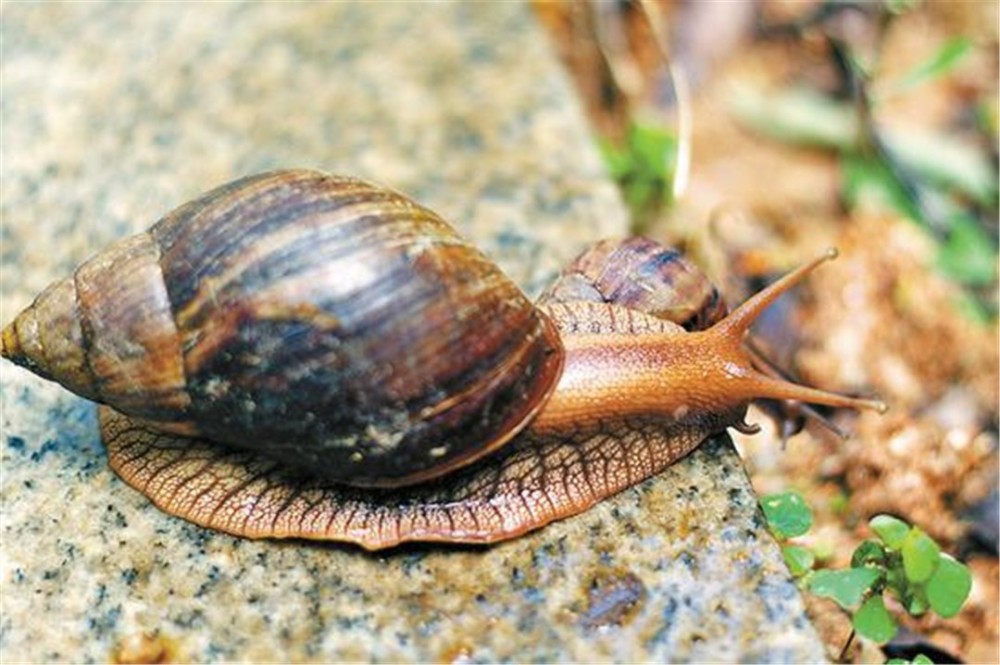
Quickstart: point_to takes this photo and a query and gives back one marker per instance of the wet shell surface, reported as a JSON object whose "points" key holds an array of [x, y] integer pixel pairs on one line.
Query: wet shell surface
{"points": [[324, 321]]}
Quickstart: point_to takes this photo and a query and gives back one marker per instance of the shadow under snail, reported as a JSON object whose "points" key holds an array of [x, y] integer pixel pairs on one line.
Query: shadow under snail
{"points": [[373, 378]]}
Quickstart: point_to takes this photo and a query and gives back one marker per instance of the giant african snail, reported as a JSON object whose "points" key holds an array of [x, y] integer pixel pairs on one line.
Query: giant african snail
{"points": [[371, 376]]}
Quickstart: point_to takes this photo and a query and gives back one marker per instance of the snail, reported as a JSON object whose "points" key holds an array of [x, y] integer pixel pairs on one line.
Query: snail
{"points": [[296, 354], [641, 274]]}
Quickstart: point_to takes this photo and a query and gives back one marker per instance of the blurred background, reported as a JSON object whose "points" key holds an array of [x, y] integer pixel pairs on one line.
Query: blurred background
{"points": [[755, 134]]}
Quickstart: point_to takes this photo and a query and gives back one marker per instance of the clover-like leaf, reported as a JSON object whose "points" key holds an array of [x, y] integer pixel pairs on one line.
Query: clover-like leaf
{"points": [[787, 513], [846, 587], [891, 530], [949, 587], [798, 559], [920, 555], [874, 621]]}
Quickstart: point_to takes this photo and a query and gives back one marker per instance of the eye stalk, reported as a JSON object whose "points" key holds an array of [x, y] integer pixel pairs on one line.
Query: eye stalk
{"points": [[753, 384]]}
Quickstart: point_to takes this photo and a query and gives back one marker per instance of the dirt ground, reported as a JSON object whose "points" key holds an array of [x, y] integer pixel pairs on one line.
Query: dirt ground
{"points": [[881, 320]]}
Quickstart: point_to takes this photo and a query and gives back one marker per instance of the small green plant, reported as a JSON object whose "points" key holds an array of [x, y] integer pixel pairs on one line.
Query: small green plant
{"points": [[788, 515], [902, 561], [643, 166]]}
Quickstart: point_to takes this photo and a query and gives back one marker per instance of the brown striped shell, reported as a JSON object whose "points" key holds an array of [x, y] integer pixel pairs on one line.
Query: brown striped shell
{"points": [[324, 321], [642, 275]]}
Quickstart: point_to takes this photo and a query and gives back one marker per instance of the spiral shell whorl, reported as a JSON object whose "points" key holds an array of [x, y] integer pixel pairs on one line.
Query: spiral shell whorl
{"points": [[641, 274], [46, 339], [107, 334]]}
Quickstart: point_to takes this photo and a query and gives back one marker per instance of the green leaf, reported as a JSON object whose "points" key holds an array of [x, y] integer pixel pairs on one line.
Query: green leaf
{"points": [[844, 586], [806, 117], [969, 255], [869, 185], [798, 559], [920, 555], [874, 621], [921, 659], [639, 192], [949, 587], [652, 147], [939, 64], [975, 309], [643, 168], [868, 552], [946, 160], [799, 115], [617, 160], [787, 513], [891, 530]]}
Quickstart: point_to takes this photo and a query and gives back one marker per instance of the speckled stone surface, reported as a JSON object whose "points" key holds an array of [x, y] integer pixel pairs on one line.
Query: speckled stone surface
{"points": [[113, 114]]}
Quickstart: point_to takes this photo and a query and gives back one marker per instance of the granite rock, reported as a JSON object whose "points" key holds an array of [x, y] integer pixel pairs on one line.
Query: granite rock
{"points": [[114, 114]]}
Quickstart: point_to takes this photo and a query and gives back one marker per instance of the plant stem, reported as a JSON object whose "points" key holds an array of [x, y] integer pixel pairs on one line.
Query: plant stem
{"points": [[843, 652]]}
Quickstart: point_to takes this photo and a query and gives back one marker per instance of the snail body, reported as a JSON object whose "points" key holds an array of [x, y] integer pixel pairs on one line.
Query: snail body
{"points": [[372, 377]]}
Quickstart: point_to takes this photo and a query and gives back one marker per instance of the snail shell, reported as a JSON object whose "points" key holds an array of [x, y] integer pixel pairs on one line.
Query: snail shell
{"points": [[323, 321], [332, 333], [642, 275]]}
